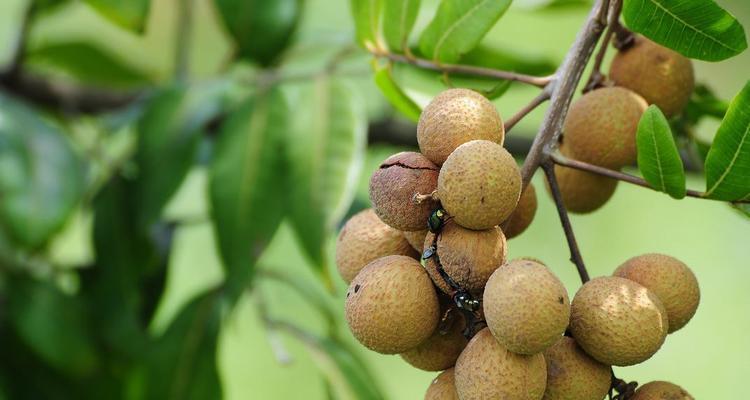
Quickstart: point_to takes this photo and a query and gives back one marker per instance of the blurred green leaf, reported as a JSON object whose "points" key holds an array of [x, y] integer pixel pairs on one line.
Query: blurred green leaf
{"points": [[366, 15], [459, 26], [498, 90], [247, 182], [393, 93], [41, 178], [704, 103], [743, 208], [262, 29], [400, 16], [695, 28], [551, 4], [326, 149], [658, 158], [509, 60], [129, 14], [728, 161]]}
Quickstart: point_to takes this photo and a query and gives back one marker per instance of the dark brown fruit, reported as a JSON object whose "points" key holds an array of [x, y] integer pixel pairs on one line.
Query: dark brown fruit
{"points": [[523, 214], [443, 387]]}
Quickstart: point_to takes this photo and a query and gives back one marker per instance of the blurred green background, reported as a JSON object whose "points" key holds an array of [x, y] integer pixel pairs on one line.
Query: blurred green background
{"points": [[710, 357]]}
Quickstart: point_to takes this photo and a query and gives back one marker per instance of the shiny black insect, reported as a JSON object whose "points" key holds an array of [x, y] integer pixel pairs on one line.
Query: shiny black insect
{"points": [[436, 220]]}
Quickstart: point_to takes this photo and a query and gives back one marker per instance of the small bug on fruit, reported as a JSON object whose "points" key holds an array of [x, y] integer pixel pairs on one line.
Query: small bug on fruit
{"points": [[436, 220]]}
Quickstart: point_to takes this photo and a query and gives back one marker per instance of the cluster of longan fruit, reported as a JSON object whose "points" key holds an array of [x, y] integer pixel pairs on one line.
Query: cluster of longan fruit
{"points": [[429, 279]]}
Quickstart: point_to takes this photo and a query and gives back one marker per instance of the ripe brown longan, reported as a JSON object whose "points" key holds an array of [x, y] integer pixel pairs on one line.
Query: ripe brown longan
{"points": [[443, 387], [364, 238], [526, 306], [454, 117], [479, 184], [394, 185], [617, 321], [416, 239], [522, 216], [582, 192], [573, 375], [660, 390], [439, 351], [670, 280], [661, 75], [391, 305]]}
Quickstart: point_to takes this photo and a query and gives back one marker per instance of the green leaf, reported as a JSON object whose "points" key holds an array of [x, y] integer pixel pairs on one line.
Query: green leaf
{"points": [[326, 150], [400, 16], [704, 103], [728, 161], [743, 208], [366, 15], [130, 14], [247, 182], [695, 28], [458, 26], [658, 158], [261, 29], [393, 93], [508, 59], [41, 178]]}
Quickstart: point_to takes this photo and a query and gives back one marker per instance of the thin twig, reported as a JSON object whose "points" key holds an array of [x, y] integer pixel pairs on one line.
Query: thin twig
{"points": [[596, 79], [535, 102]]}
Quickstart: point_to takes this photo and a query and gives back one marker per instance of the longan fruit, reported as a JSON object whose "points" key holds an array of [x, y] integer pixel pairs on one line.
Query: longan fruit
{"points": [[660, 390], [416, 239], [454, 117], [573, 375], [441, 350], [391, 305], [522, 216], [443, 387]]}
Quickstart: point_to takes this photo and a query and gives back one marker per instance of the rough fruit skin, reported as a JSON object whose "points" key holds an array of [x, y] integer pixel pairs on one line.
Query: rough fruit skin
{"points": [[582, 192], [441, 350], [486, 370], [601, 126], [617, 321], [416, 239], [443, 387], [526, 306], [365, 238], [391, 305], [469, 257], [393, 186], [670, 280], [523, 214], [660, 390], [573, 375], [479, 184], [662, 76], [454, 117]]}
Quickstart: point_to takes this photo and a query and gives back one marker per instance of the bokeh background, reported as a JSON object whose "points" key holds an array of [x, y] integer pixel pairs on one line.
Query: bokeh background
{"points": [[710, 357]]}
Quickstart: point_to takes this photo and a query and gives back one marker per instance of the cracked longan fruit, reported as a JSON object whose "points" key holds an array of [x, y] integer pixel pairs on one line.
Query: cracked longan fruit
{"points": [[394, 185], [416, 239], [479, 184], [660, 390], [618, 321], [670, 280], [526, 306], [365, 238], [523, 215], [443, 387], [662, 76], [469, 257], [391, 305], [601, 127], [573, 375], [487, 370], [582, 192], [439, 351], [454, 117]]}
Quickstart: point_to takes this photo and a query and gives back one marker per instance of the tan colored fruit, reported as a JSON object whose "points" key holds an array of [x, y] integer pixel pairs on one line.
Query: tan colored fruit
{"points": [[479, 184], [469, 257], [601, 126], [582, 192], [670, 280], [391, 305], [454, 117], [617, 321], [439, 351], [416, 239], [526, 306], [443, 387], [662, 76], [573, 375], [365, 238], [394, 185], [660, 390], [523, 214], [487, 370]]}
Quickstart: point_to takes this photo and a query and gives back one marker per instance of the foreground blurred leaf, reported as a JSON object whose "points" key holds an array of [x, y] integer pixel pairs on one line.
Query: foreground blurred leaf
{"points": [[393, 93], [458, 26], [366, 15], [695, 28], [326, 149], [262, 29], [509, 60], [728, 161], [400, 16], [658, 158], [129, 14], [41, 178], [704, 103]]}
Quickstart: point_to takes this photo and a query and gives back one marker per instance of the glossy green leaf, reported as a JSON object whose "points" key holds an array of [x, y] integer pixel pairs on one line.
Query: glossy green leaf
{"points": [[366, 15], [399, 17], [393, 93], [247, 181], [658, 158], [698, 29], [326, 149], [41, 178], [459, 26], [261, 29], [728, 161], [129, 14]]}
